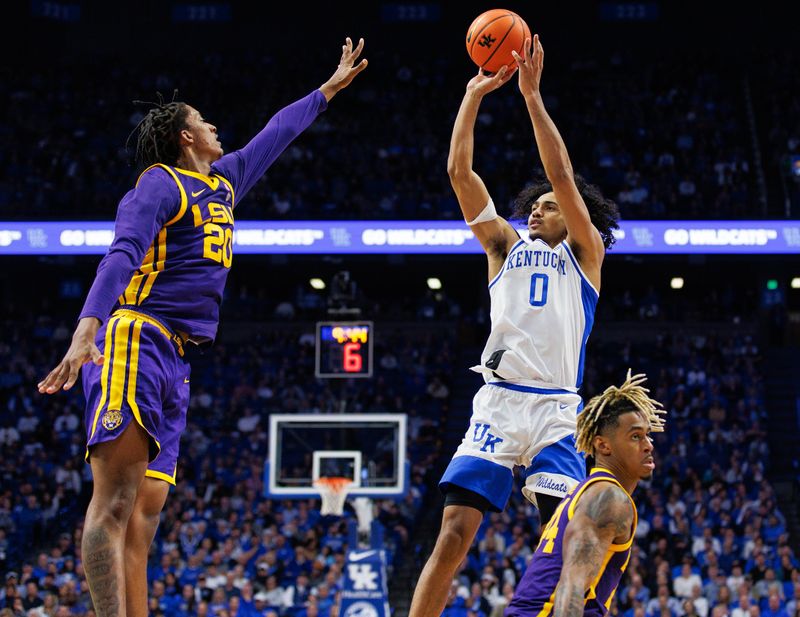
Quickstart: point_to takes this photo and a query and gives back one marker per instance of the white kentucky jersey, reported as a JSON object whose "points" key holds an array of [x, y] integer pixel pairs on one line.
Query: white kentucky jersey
{"points": [[542, 309]]}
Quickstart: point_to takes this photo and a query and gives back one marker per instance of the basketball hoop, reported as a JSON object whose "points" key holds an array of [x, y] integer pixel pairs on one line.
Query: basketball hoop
{"points": [[333, 492]]}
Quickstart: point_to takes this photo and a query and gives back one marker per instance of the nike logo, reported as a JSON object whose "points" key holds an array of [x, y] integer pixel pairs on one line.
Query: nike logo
{"points": [[358, 556], [560, 406], [186, 380], [195, 194]]}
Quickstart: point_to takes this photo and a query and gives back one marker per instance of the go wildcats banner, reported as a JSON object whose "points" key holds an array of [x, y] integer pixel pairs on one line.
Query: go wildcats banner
{"points": [[365, 593], [414, 237]]}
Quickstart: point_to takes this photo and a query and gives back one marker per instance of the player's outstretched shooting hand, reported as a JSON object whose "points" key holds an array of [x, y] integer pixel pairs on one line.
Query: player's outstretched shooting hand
{"points": [[347, 69], [483, 84], [530, 66], [81, 351]]}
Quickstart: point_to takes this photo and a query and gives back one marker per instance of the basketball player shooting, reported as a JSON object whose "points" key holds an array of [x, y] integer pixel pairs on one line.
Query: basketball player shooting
{"points": [[543, 295]]}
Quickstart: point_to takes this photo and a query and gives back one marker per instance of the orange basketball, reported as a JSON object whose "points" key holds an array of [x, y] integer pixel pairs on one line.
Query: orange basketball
{"points": [[493, 36]]}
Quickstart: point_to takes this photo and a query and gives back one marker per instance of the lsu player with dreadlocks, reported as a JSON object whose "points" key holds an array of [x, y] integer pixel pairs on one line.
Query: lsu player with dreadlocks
{"points": [[585, 547], [157, 290]]}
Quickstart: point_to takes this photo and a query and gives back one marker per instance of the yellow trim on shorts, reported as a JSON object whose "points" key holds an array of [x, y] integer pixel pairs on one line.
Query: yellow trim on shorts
{"points": [[158, 475], [103, 378], [133, 370], [122, 369], [131, 314], [119, 369], [109, 362]]}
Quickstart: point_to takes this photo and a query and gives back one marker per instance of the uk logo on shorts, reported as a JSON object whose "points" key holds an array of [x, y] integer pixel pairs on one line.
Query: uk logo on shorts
{"points": [[111, 420], [482, 434]]}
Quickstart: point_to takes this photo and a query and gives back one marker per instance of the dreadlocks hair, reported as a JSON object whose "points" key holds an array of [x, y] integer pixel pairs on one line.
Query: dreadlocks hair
{"points": [[603, 212], [604, 410], [158, 133]]}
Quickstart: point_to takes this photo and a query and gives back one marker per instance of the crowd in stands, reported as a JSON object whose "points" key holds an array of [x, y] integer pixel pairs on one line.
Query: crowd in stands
{"points": [[222, 548], [668, 136], [710, 541], [780, 132]]}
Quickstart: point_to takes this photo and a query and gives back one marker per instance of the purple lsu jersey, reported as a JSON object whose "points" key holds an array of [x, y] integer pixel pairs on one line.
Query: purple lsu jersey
{"points": [[536, 592], [178, 279], [173, 237], [163, 278]]}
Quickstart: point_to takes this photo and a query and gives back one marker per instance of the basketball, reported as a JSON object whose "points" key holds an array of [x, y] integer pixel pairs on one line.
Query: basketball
{"points": [[493, 36]]}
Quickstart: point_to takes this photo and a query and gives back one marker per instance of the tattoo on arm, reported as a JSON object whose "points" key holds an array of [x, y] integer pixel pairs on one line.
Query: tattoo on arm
{"points": [[569, 601], [611, 510], [599, 518], [582, 560]]}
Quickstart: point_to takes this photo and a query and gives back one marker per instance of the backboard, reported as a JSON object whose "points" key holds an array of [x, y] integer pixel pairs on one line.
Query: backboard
{"points": [[370, 449]]}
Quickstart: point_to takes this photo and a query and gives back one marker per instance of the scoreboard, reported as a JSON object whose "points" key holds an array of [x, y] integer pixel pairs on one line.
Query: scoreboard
{"points": [[343, 349]]}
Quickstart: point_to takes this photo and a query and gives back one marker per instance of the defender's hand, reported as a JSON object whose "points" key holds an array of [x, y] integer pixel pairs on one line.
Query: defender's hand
{"points": [[81, 350], [345, 72]]}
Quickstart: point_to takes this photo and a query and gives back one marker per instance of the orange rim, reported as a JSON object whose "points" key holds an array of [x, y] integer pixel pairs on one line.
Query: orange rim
{"points": [[333, 483]]}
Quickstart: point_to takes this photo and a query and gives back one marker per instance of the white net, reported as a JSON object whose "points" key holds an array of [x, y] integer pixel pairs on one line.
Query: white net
{"points": [[333, 492]]}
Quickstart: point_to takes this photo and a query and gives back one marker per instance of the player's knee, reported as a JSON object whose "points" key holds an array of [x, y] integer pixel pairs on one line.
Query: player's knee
{"points": [[451, 545], [455, 539], [141, 531], [147, 523], [149, 506], [119, 505]]}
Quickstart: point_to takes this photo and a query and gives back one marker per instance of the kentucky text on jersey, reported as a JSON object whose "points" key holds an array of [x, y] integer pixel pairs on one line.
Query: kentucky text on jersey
{"points": [[536, 592], [537, 258], [173, 244]]}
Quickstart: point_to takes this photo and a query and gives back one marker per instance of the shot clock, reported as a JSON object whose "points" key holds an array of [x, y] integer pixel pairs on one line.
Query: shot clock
{"points": [[344, 349]]}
